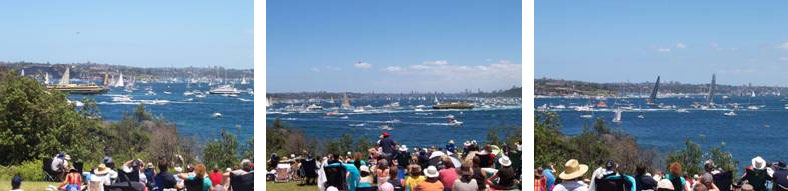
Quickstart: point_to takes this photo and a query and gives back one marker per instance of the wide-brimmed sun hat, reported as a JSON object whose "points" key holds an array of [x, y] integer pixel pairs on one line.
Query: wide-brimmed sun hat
{"points": [[403, 148], [431, 172], [505, 161], [758, 163], [101, 170], [364, 168], [665, 184], [573, 169]]}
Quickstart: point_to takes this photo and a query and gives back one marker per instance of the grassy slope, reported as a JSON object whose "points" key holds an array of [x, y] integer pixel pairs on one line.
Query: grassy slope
{"points": [[27, 185], [271, 186]]}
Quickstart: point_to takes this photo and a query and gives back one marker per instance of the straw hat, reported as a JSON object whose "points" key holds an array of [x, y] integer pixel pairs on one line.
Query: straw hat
{"points": [[101, 170], [665, 184], [505, 161], [431, 172], [758, 163], [573, 169]]}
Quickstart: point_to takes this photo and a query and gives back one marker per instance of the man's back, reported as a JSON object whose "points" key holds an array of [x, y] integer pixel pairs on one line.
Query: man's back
{"points": [[165, 180]]}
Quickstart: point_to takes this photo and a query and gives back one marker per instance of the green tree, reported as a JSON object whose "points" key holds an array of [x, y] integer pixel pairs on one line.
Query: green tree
{"points": [[689, 157], [223, 152], [38, 123]]}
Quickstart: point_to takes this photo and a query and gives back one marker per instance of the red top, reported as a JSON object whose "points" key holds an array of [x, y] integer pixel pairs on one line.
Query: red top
{"points": [[216, 178], [448, 176]]}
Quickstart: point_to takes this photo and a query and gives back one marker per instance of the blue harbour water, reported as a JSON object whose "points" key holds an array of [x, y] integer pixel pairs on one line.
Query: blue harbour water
{"points": [[410, 127], [192, 118], [750, 133]]}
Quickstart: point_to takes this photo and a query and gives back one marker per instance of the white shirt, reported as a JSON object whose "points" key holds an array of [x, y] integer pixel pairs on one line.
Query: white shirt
{"points": [[571, 186]]}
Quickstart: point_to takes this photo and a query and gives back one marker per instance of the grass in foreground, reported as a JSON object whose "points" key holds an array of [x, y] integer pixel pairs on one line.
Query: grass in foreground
{"points": [[271, 186], [27, 185]]}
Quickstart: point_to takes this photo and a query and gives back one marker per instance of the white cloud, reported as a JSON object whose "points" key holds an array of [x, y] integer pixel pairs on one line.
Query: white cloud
{"points": [[419, 67], [437, 62], [783, 59], [783, 45], [663, 49], [681, 45], [315, 69], [393, 69], [362, 65]]}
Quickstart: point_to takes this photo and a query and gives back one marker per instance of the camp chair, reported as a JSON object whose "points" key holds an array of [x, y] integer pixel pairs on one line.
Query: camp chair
{"points": [[49, 174], [283, 172], [336, 177]]}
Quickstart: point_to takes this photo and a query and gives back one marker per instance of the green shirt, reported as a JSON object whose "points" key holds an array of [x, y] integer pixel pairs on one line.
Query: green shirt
{"points": [[206, 183]]}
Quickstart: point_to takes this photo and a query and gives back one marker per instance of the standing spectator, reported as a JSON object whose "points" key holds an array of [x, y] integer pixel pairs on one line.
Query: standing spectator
{"points": [[16, 183], [572, 177], [215, 176], [548, 176], [644, 181], [164, 180]]}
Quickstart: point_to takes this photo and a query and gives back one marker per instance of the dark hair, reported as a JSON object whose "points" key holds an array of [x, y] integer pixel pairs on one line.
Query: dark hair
{"points": [[640, 170], [393, 173], [16, 182], [163, 165], [476, 161]]}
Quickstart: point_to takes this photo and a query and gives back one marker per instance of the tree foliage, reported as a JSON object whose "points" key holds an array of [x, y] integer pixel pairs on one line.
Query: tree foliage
{"points": [[221, 152], [38, 123]]}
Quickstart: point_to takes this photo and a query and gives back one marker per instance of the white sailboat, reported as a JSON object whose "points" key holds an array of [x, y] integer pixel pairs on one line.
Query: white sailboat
{"points": [[64, 80], [46, 78], [119, 83], [345, 102], [617, 117]]}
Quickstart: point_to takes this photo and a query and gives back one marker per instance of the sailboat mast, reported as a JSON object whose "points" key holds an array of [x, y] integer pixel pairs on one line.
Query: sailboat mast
{"points": [[711, 89]]}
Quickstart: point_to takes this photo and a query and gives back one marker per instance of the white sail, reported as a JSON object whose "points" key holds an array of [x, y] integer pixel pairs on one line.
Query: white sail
{"points": [[46, 78], [119, 83], [23, 72], [65, 78], [617, 117], [345, 102]]}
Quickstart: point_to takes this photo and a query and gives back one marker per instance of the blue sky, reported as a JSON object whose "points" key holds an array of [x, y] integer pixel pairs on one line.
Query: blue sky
{"points": [[135, 33], [402, 46], [686, 41]]}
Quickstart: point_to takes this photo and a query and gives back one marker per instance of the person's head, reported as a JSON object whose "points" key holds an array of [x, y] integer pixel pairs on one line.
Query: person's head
{"points": [[246, 165], [415, 170], [488, 148], [573, 170], [708, 165], [215, 168], [700, 187], [386, 134], [476, 161], [640, 170], [364, 171], [357, 156], [383, 164], [163, 165], [675, 169], [707, 179], [747, 187], [538, 173], [16, 182], [665, 185], [549, 165], [393, 172], [431, 172], [199, 170], [447, 162]]}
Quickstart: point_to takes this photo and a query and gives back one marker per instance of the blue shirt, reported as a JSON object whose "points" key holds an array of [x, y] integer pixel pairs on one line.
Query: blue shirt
{"points": [[549, 178]]}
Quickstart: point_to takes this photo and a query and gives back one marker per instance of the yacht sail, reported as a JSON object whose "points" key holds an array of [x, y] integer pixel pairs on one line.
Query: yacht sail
{"points": [[65, 78], [46, 78], [653, 98], [711, 90], [119, 83], [345, 102]]}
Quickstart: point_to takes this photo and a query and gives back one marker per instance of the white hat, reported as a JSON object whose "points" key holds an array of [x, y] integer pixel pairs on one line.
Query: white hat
{"points": [[505, 161], [666, 184], [178, 169], [364, 168], [332, 188], [451, 141], [758, 162], [68, 157], [403, 148], [431, 172], [467, 144]]}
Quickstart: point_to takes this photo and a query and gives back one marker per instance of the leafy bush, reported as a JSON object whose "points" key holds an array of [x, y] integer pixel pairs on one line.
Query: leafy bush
{"points": [[29, 170]]}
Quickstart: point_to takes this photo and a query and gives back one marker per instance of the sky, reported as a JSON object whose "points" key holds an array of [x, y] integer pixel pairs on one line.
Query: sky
{"points": [[393, 46], [684, 41], [140, 33]]}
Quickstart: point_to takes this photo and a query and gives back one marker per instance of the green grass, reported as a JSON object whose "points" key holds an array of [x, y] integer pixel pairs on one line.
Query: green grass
{"points": [[27, 185], [271, 186]]}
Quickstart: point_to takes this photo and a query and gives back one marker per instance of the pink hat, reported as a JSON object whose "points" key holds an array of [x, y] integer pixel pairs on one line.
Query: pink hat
{"points": [[386, 187]]}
